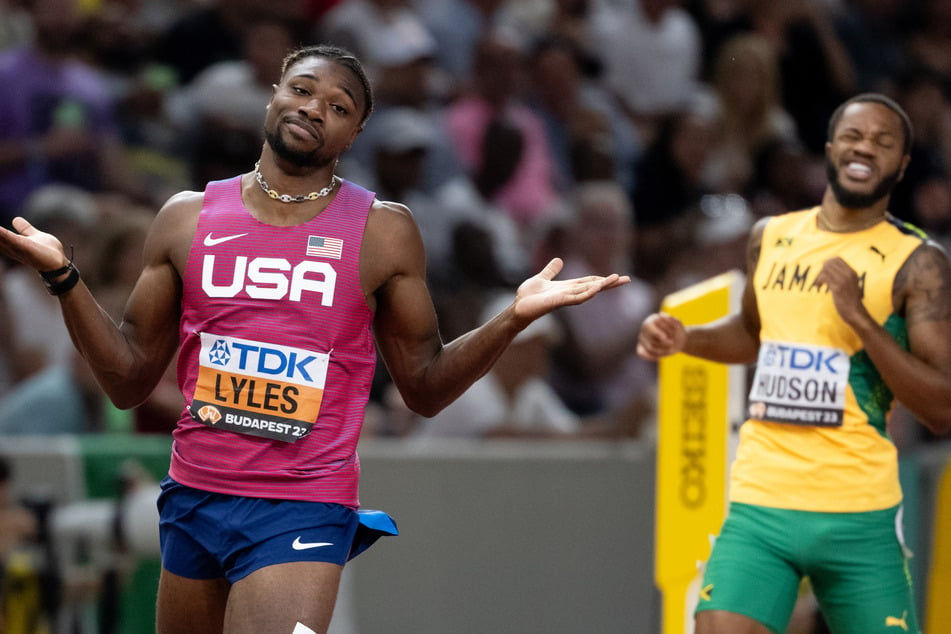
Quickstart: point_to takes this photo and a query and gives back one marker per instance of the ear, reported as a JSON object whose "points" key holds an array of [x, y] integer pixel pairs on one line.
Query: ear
{"points": [[904, 165]]}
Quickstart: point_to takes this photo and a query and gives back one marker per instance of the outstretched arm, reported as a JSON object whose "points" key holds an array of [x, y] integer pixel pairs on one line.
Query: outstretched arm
{"points": [[733, 339], [127, 360], [431, 374], [920, 378]]}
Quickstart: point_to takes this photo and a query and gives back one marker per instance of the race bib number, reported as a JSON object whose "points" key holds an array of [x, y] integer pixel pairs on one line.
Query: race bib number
{"points": [[256, 388], [799, 384]]}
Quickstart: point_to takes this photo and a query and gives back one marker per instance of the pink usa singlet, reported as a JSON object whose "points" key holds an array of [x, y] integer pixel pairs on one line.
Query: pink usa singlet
{"points": [[277, 353]]}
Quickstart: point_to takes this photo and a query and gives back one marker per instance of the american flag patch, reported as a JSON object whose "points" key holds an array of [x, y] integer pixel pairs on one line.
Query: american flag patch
{"points": [[321, 247]]}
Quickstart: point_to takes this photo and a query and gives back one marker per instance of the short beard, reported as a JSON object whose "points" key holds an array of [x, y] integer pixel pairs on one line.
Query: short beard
{"points": [[294, 157], [858, 200]]}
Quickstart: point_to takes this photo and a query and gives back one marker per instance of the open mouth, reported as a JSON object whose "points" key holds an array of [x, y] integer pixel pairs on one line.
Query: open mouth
{"points": [[856, 170]]}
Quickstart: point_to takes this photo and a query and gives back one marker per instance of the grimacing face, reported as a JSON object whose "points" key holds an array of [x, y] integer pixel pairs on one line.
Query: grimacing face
{"points": [[865, 158]]}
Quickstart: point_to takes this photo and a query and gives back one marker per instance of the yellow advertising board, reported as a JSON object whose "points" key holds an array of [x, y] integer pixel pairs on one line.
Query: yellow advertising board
{"points": [[699, 404], [938, 614]]}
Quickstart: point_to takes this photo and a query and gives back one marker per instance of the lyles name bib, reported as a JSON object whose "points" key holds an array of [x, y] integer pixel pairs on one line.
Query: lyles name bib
{"points": [[256, 388]]}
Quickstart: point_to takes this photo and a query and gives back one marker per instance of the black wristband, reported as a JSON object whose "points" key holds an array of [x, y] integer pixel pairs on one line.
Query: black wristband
{"points": [[67, 283], [49, 276]]}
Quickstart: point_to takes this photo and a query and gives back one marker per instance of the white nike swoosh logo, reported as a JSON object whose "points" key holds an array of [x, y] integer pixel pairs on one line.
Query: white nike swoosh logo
{"points": [[299, 545], [210, 242]]}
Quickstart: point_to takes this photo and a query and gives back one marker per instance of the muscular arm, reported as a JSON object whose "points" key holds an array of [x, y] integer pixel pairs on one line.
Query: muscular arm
{"points": [[921, 378], [131, 360], [127, 359], [733, 339], [431, 374]]}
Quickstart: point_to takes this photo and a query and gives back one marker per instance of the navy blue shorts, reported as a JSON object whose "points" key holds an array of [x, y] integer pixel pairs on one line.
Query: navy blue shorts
{"points": [[207, 535]]}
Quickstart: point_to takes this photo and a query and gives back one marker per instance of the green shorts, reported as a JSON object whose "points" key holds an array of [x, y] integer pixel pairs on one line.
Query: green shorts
{"points": [[855, 562]]}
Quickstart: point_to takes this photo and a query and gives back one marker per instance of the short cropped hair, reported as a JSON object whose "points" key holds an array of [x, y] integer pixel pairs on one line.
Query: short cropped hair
{"points": [[337, 54], [874, 97]]}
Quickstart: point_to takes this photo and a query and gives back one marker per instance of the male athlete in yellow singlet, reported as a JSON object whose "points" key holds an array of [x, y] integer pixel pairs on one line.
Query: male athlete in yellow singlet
{"points": [[846, 310]]}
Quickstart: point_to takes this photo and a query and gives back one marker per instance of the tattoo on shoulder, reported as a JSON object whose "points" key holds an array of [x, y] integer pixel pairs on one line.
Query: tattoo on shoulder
{"points": [[923, 286]]}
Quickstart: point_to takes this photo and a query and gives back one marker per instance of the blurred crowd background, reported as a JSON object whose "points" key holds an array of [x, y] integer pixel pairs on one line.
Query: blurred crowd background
{"points": [[634, 136]]}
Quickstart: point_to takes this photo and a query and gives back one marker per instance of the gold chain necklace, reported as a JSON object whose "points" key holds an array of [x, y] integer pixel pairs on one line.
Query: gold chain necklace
{"points": [[287, 198]]}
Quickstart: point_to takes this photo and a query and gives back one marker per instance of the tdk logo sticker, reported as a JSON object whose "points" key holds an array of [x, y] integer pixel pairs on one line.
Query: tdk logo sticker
{"points": [[781, 356], [264, 360]]}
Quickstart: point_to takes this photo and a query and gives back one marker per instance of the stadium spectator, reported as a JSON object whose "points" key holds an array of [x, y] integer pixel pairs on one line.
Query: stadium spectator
{"points": [[669, 183], [500, 141], [590, 137], [59, 123], [596, 369], [747, 110], [651, 51]]}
